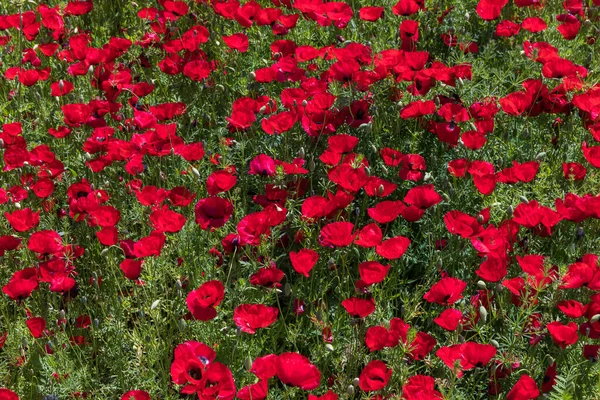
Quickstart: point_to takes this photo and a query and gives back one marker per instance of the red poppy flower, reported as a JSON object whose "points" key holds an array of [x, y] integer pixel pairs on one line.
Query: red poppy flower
{"points": [[237, 41], [37, 326], [250, 317], [369, 236], [23, 220], [372, 272], [371, 13], [45, 242], [445, 292], [294, 369], [374, 376], [563, 335], [359, 307], [304, 261], [337, 234], [136, 395], [202, 301], [525, 389], [267, 277], [420, 387], [393, 248], [213, 212]]}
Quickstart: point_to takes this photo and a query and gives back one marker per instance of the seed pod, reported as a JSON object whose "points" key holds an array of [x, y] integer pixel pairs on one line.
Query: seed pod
{"points": [[481, 285]]}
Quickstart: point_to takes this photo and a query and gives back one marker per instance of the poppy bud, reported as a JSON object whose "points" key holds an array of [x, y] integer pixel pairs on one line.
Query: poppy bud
{"points": [[18, 205], [380, 190], [178, 284], [311, 165], [87, 156], [509, 210], [61, 314], [595, 318], [91, 69], [83, 300], [481, 285], [483, 313], [155, 304], [499, 287], [195, 172], [49, 344], [480, 219], [580, 232], [329, 347], [96, 323], [252, 75], [248, 364], [350, 390], [301, 153], [366, 127], [319, 315], [523, 199], [384, 169], [104, 251], [355, 382], [287, 289], [304, 103], [459, 328], [461, 339], [445, 196], [182, 325], [439, 263], [541, 156], [427, 177], [1, 144], [494, 343]]}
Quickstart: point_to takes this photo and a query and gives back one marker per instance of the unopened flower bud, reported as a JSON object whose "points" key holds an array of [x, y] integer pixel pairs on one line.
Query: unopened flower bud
{"points": [[248, 364], [483, 313], [595, 318], [481, 285], [287, 289], [182, 325], [350, 390]]}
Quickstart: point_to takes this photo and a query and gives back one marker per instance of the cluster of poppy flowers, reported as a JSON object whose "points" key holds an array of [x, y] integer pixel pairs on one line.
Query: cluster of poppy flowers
{"points": [[121, 130]]}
